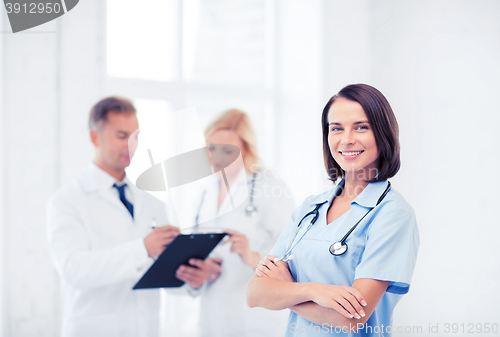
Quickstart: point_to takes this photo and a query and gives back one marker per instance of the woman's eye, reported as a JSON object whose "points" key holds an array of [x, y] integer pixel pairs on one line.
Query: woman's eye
{"points": [[334, 129], [362, 127]]}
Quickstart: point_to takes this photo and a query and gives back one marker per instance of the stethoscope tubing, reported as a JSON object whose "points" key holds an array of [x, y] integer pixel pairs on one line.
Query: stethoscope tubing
{"points": [[371, 209], [342, 246], [313, 221], [251, 210], [251, 204]]}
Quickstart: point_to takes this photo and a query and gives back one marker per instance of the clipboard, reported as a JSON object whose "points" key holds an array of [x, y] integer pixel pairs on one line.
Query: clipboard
{"points": [[184, 247]]}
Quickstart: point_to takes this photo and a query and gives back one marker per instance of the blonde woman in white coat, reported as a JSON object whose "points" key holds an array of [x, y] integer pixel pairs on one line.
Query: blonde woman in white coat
{"points": [[221, 279]]}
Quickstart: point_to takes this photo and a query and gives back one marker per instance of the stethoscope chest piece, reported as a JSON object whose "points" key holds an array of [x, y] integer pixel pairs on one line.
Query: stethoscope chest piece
{"points": [[251, 210], [338, 248]]}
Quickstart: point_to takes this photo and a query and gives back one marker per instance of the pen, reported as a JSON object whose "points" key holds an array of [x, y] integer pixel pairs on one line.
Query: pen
{"points": [[153, 224]]}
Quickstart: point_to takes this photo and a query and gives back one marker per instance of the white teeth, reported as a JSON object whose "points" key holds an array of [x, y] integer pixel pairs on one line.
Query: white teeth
{"points": [[351, 153]]}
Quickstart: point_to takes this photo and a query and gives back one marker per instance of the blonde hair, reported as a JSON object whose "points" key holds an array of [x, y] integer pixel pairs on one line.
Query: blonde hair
{"points": [[239, 122]]}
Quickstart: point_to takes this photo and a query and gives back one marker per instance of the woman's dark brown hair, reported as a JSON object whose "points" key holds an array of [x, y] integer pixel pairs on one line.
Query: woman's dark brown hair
{"points": [[383, 123]]}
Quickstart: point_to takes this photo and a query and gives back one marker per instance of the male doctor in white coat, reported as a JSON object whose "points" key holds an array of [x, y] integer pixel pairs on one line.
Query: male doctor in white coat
{"points": [[100, 235]]}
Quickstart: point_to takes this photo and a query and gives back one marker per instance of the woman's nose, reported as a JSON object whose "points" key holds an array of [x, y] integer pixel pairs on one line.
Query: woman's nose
{"points": [[348, 138]]}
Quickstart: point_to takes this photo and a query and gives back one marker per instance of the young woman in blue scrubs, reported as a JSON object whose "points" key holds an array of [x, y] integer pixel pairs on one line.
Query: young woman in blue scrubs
{"points": [[353, 294]]}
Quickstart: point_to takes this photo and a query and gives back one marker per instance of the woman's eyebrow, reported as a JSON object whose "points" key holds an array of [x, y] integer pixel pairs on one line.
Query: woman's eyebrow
{"points": [[355, 123]]}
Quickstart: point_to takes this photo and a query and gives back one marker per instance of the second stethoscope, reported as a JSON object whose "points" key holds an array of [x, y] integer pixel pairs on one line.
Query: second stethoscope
{"points": [[336, 248], [250, 210]]}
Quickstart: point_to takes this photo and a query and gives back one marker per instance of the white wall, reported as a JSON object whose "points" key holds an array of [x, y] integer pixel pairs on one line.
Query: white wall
{"points": [[438, 64], [300, 96], [50, 79], [2, 219], [436, 61], [29, 154], [82, 71]]}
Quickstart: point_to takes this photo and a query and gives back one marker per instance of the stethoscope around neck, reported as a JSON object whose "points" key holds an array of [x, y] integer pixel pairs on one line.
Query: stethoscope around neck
{"points": [[250, 210], [337, 248]]}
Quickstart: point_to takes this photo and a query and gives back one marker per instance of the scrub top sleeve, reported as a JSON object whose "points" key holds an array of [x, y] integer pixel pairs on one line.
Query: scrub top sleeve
{"points": [[391, 248]]}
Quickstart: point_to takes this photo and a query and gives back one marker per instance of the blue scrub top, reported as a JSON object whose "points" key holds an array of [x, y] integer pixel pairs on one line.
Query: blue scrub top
{"points": [[383, 246]]}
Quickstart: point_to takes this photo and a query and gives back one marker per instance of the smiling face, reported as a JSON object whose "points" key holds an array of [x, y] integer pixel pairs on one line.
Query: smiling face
{"points": [[351, 139]]}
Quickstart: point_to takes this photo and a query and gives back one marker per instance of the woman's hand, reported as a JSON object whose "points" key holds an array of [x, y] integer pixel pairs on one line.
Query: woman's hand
{"points": [[348, 301], [240, 246], [278, 270], [203, 270]]}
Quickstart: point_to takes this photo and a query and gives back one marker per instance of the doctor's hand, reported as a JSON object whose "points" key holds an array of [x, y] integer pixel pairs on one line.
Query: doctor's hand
{"points": [[156, 241], [278, 270], [207, 270], [348, 301], [239, 244]]}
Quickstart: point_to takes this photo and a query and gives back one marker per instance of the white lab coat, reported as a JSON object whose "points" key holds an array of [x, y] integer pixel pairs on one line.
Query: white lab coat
{"points": [[224, 311], [99, 252]]}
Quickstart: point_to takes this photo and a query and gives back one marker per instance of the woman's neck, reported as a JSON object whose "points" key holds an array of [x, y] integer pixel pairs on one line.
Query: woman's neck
{"points": [[225, 185], [353, 186], [229, 179]]}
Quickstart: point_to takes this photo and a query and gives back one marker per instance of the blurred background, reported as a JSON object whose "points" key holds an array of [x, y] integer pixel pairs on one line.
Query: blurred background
{"points": [[436, 61]]}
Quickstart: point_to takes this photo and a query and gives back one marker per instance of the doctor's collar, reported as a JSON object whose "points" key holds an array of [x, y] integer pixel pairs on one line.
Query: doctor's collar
{"points": [[371, 193], [102, 179], [367, 198]]}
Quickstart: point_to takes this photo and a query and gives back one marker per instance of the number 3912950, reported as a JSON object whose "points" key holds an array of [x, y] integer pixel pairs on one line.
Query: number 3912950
{"points": [[33, 8]]}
